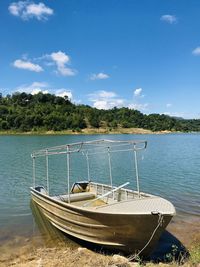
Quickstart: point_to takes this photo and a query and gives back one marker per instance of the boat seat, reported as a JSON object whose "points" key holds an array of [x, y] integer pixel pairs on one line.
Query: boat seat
{"points": [[75, 197], [80, 186]]}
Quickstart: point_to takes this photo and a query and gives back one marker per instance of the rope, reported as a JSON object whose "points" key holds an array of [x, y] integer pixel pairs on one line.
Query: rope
{"points": [[136, 256]]}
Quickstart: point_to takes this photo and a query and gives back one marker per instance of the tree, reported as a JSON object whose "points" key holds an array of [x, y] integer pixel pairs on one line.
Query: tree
{"points": [[26, 112]]}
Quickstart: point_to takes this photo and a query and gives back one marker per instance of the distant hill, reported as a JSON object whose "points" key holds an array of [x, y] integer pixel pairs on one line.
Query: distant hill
{"points": [[26, 112]]}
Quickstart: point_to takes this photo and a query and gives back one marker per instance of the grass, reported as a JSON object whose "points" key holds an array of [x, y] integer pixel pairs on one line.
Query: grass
{"points": [[63, 256], [195, 255], [191, 259]]}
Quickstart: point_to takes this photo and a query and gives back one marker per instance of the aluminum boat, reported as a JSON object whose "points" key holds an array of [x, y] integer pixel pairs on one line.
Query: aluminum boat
{"points": [[110, 215]]}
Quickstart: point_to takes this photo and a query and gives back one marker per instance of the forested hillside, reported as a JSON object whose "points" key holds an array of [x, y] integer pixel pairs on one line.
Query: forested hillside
{"points": [[26, 112]]}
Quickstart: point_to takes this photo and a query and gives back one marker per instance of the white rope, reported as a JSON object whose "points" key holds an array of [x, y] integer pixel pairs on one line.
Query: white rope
{"points": [[136, 256]]}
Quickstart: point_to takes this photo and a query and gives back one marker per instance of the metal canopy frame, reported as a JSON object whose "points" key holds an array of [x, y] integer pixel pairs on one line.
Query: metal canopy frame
{"points": [[87, 148]]}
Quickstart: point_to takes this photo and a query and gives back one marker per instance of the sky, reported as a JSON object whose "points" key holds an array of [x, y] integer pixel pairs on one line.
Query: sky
{"points": [[141, 54]]}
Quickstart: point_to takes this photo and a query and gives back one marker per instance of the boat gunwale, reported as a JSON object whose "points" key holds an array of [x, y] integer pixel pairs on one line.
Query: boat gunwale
{"points": [[93, 210]]}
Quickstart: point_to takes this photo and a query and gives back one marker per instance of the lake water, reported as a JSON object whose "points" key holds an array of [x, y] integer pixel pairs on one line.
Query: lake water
{"points": [[169, 167]]}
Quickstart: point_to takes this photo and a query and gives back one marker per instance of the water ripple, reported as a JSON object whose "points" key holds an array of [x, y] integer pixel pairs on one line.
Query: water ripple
{"points": [[170, 167]]}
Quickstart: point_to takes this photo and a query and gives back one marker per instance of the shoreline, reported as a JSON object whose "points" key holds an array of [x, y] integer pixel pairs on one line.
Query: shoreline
{"points": [[88, 131]]}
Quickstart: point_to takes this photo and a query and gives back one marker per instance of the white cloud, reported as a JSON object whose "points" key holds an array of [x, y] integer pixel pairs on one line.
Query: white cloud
{"points": [[168, 105], [64, 92], [36, 91], [102, 94], [27, 65], [33, 88], [171, 19], [177, 114], [105, 100], [101, 104], [27, 10], [106, 94], [64, 71], [16, 8], [109, 99], [138, 92], [61, 59], [139, 106], [44, 87], [99, 76], [135, 104], [196, 51], [108, 104], [40, 84], [58, 59]]}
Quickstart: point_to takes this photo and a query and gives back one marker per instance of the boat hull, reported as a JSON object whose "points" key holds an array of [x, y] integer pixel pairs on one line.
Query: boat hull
{"points": [[126, 232]]}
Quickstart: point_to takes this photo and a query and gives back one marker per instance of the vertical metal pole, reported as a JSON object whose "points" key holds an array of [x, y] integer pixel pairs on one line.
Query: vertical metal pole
{"points": [[136, 171], [68, 173], [33, 172], [88, 166], [110, 167], [47, 171]]}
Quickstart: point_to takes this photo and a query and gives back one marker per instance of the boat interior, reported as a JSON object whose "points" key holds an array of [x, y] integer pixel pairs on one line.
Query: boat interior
{"points": [[90, 194]]}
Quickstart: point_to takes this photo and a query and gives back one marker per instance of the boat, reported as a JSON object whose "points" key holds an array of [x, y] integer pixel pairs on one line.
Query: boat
{"points": [[112, 216]]}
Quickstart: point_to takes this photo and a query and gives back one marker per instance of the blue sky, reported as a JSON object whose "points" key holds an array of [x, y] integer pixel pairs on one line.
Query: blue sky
{"points": [[142, 54]]}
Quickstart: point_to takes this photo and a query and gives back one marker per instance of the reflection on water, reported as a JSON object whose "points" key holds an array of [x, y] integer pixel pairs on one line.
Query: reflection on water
{"points": [[48, 233]]}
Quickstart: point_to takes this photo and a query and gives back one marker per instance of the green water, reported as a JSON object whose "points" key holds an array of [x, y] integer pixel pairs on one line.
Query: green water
{"points": [[169, 167]]}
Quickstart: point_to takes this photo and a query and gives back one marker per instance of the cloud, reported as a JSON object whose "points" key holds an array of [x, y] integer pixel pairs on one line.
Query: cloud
{"points": [[109, 99], [139, 106], [101, 104], [33, 88], [60, 59], [37, 90], [105, 100], [108, 104], [99, 76], [137, 96], [138, 92], [43, 87], [27, 10], [171, 19], [196, 51], [27, 65], [177, 114], [168, 105], [107, 94], [64, 92]]}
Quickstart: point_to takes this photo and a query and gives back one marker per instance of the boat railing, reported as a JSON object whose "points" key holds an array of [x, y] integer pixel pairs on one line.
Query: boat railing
{"points": [[106, 194], [89, 149], [86, 146]]}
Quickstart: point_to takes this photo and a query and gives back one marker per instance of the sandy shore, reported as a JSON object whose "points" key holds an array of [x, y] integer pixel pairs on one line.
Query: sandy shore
{"points": [[87, 131]]}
